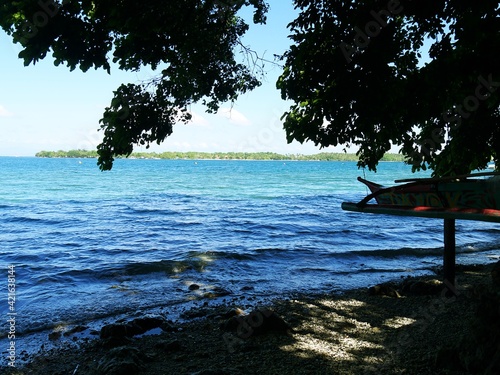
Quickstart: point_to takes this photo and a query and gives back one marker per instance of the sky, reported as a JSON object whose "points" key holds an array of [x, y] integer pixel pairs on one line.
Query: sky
{"points": [[44, 107]]}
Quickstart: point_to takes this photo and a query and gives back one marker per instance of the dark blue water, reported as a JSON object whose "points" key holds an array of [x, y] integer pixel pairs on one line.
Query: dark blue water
{"points": [[88, 245]]}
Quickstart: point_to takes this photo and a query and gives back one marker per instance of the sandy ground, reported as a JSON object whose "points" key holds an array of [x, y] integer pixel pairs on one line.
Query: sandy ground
{"points": [[398, 330]]}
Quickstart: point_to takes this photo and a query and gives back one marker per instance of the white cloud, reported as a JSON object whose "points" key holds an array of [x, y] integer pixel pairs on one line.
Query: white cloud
{"points": [[4, 112], [198, 120], [234, 116]]}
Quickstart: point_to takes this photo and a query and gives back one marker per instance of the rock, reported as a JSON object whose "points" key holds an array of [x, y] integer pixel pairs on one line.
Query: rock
{"points": [[114, 335], [426, 288], [119, 361], [258, 322], [495, 274], [55, 335], [168, 327], [221, 292], [142, 325], [120, 331], [217, 292], [117, 331], [383, 290], [232, 312], [193, 287]]}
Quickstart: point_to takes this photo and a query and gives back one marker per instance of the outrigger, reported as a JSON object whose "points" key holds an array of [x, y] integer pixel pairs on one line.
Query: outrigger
{"points": [[466, 197]]}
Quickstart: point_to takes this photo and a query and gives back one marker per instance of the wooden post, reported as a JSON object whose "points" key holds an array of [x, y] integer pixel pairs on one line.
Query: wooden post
{"points": [[449, 252]]}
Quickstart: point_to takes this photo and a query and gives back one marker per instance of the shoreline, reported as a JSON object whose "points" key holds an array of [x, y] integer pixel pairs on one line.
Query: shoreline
{"points": [[352, 332], [202, 155]]}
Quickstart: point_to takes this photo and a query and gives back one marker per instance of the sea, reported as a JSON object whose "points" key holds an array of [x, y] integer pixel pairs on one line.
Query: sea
{"points": [[85, 247]]}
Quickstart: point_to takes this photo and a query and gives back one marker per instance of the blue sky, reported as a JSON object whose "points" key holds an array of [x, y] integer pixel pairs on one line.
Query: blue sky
{"points": [[44, 107]]}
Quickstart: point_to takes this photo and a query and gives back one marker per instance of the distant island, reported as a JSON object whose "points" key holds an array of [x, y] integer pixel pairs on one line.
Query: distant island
{"points": [[193, 155]]}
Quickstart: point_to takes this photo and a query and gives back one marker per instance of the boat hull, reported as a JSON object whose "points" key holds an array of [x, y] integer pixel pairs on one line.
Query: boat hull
{"points": [[473, 193]]}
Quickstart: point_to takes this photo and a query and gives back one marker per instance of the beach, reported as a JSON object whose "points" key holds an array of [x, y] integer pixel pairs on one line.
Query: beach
{"points": [[398, 329], [160, 266]]}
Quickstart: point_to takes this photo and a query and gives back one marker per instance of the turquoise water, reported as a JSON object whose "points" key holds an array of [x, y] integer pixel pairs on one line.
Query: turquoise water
{"points": [[88, 245]]}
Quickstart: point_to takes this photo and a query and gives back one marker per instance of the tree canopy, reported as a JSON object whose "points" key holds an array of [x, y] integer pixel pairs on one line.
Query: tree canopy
{"points": [[355, 73], [356, 76], [190, 43]]}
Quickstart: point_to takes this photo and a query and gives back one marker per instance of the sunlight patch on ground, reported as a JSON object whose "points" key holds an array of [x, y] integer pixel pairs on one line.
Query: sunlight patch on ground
{"points": [[399, 321], [346, 306], [331, 329], [336, 347]]}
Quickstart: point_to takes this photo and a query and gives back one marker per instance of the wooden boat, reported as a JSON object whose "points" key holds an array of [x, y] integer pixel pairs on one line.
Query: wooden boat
{"points": [[462, 192], [468, 197]]}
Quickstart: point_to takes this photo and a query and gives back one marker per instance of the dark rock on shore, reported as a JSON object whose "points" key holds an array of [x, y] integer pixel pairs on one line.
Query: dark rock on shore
{"points": [[193, 287], [117, 330], [258, 322], [407, 287], [118, 334], [148, 323], [232, 312], [384, 290], [424, 288], [122, 360], [217, 292], [55, 335]]}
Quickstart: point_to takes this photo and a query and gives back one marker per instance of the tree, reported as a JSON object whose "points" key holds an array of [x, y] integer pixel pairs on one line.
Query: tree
{"points": [[190, 43], [355, 74], [356, 77]]}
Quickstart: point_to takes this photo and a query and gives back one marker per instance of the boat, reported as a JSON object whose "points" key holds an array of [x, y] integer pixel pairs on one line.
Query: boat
{"points": [[472, 191], [467, 197]]}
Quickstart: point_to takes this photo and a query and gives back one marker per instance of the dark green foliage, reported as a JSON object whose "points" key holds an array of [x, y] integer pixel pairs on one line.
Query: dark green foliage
{"points": [[67, 154], [190, 43], [355, 73], [355, 78], [192, 155]]}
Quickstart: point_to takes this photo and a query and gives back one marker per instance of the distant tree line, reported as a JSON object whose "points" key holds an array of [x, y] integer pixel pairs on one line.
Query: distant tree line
{"points": [[67, 154], [193, 155]]}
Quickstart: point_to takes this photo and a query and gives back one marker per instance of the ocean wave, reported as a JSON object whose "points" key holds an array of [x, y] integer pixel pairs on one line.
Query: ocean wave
{"points": [[32, 220]]}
